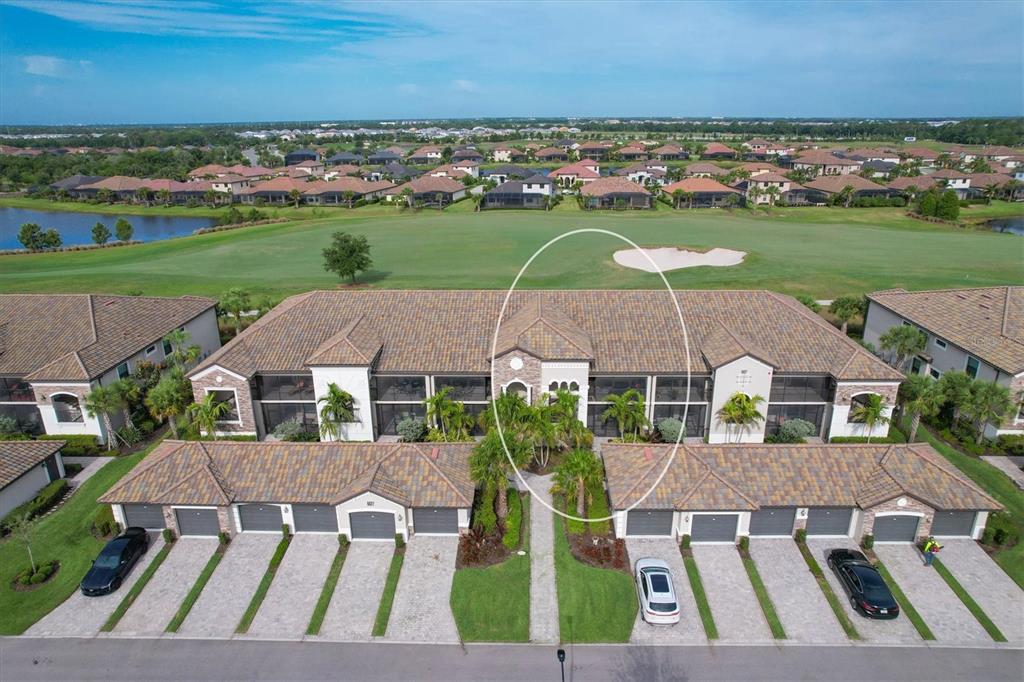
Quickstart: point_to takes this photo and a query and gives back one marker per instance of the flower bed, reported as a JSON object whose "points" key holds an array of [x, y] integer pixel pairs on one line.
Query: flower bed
{"points": [[27, 580]]}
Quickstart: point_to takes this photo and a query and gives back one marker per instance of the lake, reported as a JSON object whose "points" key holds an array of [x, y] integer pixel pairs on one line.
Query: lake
{"points": [[1013, 225], [76, 228]]}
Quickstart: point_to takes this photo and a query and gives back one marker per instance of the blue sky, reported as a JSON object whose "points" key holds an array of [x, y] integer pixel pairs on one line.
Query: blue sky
{"points": [[146, 61]]}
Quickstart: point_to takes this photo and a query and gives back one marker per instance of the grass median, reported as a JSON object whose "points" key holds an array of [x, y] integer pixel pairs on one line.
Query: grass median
{"points": [[972, 606], [136, 589], [701, 597], [317, 619], [197, 589], [763, 598], [387, 598], [264, 587], [830, 595]]}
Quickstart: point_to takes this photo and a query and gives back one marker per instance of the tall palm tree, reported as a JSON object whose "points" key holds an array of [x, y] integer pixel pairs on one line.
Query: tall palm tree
{"points": [[513, 411], [773, 193], [990, 403], [294, 197], [955, 388], [627, 410], [740, 412], [337, 408], [165, 196], [130, 394], [182, 355], [103, 401], [579, 470], [490, 466], [170, 398], [677, 197], [207, 413], [439, 409], [234, 302], [870, 413], [569, 430], [542, 429], [920, 397], [754, 193], [460, 423], [904, 341]]}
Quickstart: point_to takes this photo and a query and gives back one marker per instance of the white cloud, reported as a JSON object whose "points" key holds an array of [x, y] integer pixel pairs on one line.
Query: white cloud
{"points": [[409, 89], [463, 85], [55, 67]]}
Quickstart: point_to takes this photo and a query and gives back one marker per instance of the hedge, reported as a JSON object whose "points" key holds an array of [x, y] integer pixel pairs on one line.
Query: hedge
{"points": [[514, 520], [77, 445], [863, 439], [40, 504]]}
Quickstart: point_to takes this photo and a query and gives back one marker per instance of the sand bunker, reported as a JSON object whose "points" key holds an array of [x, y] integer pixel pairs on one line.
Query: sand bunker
{"points": [[671, 258]]}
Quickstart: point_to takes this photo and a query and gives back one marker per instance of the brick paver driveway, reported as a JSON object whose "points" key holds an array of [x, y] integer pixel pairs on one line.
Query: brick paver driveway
{"points": [[224, 599], [422, 611], [689, 629], [898, 631], [353, 607], [81, 616], [799, 602], [946, 616], [159, 601], [543, 591], [996, 593], [734, 605], [296, 588]]}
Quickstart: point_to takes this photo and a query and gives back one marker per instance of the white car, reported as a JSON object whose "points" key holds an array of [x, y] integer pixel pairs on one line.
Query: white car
{"points": [[654, 590]]}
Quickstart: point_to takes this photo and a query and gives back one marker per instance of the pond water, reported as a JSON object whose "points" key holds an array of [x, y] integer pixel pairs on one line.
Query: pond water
{"points": [[1013, 225], [76, 228]]}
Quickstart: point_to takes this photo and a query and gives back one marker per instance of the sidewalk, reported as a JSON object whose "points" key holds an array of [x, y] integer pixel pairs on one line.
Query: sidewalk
{"points": [[543, 591]]}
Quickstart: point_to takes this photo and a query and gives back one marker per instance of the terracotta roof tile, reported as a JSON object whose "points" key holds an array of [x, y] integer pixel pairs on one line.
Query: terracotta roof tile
{"points": [[19, 456]]}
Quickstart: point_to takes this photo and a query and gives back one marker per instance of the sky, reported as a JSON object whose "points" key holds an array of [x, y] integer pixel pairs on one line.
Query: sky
{"points": [[181, 61]]}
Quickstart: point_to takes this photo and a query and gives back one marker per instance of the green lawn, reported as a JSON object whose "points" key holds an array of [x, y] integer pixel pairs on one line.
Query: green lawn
{"points": [[261, 590], [594, 604], [387, 598], [820, 251], [64, 536], [324, 601], [701, 597], [764, 599], [493, 604]]}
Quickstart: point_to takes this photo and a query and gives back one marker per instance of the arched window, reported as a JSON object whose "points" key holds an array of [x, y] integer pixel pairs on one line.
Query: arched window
{"points": [[553, 386], [574, 387], [520, 389], [67, 408], [855, 402]]}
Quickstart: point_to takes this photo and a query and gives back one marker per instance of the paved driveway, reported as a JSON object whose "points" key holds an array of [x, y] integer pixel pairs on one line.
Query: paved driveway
{"points": [[799, 602], [159, 601], [81, 616], [543, 591], [996, 593], [734, 605], [224, 599], [296, 588], [422, 609], [941, 609], [353, 606], [898, 631], [689, 629]]}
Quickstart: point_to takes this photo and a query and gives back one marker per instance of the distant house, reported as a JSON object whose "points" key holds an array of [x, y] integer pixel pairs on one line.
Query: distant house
{"points": [[26, 467], [705, 170], [306, 168], [567, 176], [633, 152], [825, 163], [862, 187], [346, 158], [383, 157], [757, 145], [863, 154], [920, 183], [643, 173], [505, 154], [757, 167], [768, 188], [230, 184], [430, 191], [506, 172], [704, 192], [299, 155], [274, 191], [530, 193], [468, 155], [594, 150], [343, 170], [614, 192], [878, 169], [396, 172], [551, 154], [926, 157], [73, 182], [669, 152], [717, 150], [426, 154], [954, 180], [344, 190]]}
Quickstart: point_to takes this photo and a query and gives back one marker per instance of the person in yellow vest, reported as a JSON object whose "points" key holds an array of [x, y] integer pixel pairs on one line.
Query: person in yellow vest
{"points": [[931, 548]]}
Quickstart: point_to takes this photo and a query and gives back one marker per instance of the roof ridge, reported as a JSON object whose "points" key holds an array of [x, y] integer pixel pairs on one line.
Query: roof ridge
{"points": [[431, 463], [92, 322], [646, 472]]}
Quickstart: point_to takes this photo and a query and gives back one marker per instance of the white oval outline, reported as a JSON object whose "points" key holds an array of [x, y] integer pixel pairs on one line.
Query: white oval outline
{"points": [[686, 348]]}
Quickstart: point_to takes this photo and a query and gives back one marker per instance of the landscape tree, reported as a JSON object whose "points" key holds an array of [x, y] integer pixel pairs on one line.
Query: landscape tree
{"points": [[845, 308], [130, 394], [948, 206], [628, 411], [23, 529], [955, 388], [100, 233], [182, 355], [124, 230], [210, 197], [990, 403], [170, 398], [927, 204], [920, 397], [739, 413], [513, 412], [902, 341], [809, 301], [870, 412], [51, 239], [677, 197], [579, 470], [164, 196], [569, 430], [207, 413], [234, 302], [347, 255], [489, 466], [440, 408], [144, 195], [337, 407], [349, 197], [294, 196], [102, 402], [31, 236]]}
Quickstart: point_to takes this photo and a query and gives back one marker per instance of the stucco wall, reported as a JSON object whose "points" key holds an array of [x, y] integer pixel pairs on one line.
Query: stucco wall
{"points": [[567, 372], [845, 392], [743, 375], [356, 381], [88, 425], [23, 489], [375, 503]]}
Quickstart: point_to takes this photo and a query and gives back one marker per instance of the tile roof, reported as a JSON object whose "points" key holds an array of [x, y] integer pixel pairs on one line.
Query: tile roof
{"points": [[580, 170], [718, 148], [746, 477], [836, 183], [704, 167], [78, 337], [224, 472], [430, 183], [698, 185], [821, 157], [920, 182], [452, 331], [343, 184], [19, 456], [986, 322], [612, 185]]}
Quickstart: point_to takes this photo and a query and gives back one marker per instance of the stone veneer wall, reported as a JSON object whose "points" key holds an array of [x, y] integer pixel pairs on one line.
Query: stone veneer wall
{"points": [[845, 392], [242, 393], [529, 374], [924, 528], [44, 391], [223, 516]]}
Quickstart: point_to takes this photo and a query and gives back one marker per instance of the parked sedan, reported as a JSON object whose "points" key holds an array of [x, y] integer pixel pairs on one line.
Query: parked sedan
{"points": [[658, 604], [868, 593], [114, 562]]}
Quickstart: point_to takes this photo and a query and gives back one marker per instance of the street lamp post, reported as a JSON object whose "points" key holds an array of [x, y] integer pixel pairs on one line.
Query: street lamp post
{"points": [[561, 662]]}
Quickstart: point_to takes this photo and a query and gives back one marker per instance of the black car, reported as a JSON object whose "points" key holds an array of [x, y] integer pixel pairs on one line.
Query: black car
{"points": [[868, 593], [114, 562]]}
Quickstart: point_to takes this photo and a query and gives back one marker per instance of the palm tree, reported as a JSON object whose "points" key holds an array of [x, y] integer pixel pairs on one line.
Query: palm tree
{"points": [[904, 341], [991, 191], [294, 197], [349, 196], [130, 394], [846, 308], [234, 302], [753, 194], [170, 398], [513, 412], [577, 472], [989, 404], [439, 409], [870, 413], [102, 402], [144, 194], [773, 193], [955, 388], [210, 197], [740, 412], [569, 430], [542, 430], [207, 413], [439, 198], [165, 196], [181, 355], [920, 397], [489, 466], [460, 423], [627, 410], [677, 198], [336, 409]]}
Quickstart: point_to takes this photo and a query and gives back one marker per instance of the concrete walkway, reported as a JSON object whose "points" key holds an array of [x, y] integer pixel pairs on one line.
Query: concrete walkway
{"points": [[296, 588], [946, 616], [798, 601], [543, 590], [734, 605], [996, 593], [689, 629], [159, 601], [353, 606], [224, 599], [422, 609], [81, 616], [89, 470], [1007, 467], [897, 631]]}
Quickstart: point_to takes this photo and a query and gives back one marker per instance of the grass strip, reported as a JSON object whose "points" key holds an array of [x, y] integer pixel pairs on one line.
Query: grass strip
{"points": [[264, 586], [136, 589], [830, 596], [380, 625], [703, 608], [972, 606], [778, 632], [197, 589], [327, 592], [908, 608]]}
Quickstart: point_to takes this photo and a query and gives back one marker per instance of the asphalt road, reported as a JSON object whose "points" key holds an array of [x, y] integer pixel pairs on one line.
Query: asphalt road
{"points": [[112, 659]]}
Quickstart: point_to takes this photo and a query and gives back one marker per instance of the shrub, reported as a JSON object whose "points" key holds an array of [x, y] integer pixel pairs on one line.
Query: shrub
{"points": [[288, 430], [343, 540], [129, 434], [684, 543], [286, 531], [863, 439], [794, 431], [1011, 445], [77, 445], [800, 535], [40, 504], [39, 577], [1000, 530], [809, 301], [223, 537], [744, 543], [868, 541], [514, 520], [9, 426], [168, 535], [484, 517], [102, 522], [411, 429], [399, 541], [669, 428], [25, 578]]}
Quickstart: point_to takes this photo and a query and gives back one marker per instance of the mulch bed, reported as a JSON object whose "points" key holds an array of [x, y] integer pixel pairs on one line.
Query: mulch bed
{"points": [[477, 550], [18, 587], [600, 551]]}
